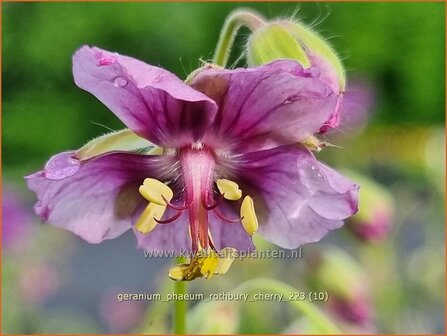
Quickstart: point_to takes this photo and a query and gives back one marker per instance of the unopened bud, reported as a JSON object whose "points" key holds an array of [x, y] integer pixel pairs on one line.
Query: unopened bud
{"points": [[376, 209], [345, 282], [293, 40]]}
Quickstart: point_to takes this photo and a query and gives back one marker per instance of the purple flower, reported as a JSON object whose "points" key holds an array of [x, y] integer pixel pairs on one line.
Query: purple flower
{"points": [[229, 154]]}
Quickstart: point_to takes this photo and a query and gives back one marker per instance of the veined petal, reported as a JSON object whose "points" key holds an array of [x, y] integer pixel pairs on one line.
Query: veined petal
{"points": [[298, 200], [280, 101], [152, 102], [95, 198], [124, 140]]}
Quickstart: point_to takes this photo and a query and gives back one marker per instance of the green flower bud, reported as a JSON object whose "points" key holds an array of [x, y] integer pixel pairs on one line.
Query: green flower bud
{"points": [[271, 42], [293, 40]]}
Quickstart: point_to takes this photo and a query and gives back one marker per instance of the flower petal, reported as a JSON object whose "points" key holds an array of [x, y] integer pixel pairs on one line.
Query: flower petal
{"points": [[280, 101], [95, 198], [226, 234], [152, 102], [297, 199]]}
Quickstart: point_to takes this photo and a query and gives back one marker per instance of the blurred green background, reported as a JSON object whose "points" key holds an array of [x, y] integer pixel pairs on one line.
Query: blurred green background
{"points": [[397, 49]]}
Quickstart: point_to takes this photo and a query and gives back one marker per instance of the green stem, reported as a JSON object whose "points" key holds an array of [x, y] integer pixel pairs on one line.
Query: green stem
{"points": [[234, 21], [181, 306], [313, 313]]}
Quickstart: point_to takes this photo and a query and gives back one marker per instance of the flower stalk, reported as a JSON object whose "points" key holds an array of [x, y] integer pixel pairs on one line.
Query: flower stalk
{"points": [[236, 20], [180, 305]]}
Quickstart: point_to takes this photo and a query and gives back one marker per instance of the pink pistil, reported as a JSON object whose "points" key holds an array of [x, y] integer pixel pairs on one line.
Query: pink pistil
{"points": [[197, 166]]}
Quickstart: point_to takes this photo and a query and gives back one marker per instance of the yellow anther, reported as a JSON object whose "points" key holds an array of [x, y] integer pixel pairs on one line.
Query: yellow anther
{"points": [[146, 223], [209, 265], [179, 272], [229, 189], [248, 215], [205, 263], [153, 190], [227, 256]]}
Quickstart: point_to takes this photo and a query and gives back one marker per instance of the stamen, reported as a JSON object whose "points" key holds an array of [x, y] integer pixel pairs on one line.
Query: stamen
{"points": [[155, 191], [210, 207], [226, 258], [179, 272], [219, 214], [148, 219], [210, 263], [211, 240], [229, 189], [205, 263], [248, 214], [169, 220], [175, 207]]}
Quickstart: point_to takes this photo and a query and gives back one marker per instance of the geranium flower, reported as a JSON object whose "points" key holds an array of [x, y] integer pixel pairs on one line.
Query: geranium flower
{"points": [[230, 154]]}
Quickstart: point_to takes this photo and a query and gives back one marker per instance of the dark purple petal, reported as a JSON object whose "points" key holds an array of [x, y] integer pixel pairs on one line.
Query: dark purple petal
{"points": [[225, 234], [152, 102], [279, 101], [297, 199], [172, 237], [95, 198]]}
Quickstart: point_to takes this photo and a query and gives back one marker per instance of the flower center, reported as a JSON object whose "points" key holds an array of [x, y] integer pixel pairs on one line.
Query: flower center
{"points": [[197, 164]]}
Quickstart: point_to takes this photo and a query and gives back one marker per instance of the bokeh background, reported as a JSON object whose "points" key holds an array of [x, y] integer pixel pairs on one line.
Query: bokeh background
{"points": [[391, 281]]}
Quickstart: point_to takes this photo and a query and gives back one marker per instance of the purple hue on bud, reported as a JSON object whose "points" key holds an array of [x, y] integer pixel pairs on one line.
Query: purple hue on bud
{"points": [[373, 221], [356, 311], [338, 274]]}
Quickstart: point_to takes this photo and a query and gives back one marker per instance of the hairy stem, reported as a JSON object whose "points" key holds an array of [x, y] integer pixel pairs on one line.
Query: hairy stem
{"points": [[233, 23]]}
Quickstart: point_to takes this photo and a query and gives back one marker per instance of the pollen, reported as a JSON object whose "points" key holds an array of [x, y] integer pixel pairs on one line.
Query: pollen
{"points": [[155, 191], [229, 189], [206, 263], [146, 223], [248, 215], [209, 265]]}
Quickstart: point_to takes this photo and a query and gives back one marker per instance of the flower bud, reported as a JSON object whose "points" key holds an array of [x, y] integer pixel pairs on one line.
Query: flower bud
{"points": [[345, 282], [376, 209], [292, 40]]}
